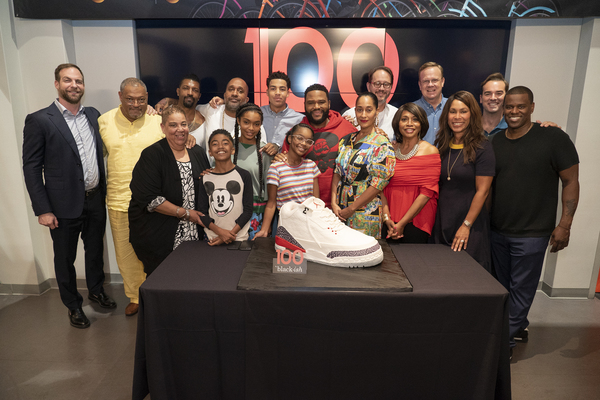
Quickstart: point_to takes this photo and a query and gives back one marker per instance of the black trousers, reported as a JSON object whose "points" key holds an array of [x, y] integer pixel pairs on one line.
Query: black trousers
{"points": [[91, 224]]}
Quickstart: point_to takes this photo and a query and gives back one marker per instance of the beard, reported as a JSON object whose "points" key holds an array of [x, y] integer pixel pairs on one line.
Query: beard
{"points": [[233, 106], [70, 98], [319, 121], [188, 102]]}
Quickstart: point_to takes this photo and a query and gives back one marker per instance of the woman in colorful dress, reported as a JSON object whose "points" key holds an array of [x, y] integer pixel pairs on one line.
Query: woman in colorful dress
{"points": [[410, 199], [363, 168], [468, 168], [248, 122], [294, 179]]}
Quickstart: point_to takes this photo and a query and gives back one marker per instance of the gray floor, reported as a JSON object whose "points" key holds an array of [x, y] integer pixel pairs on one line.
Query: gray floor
{"points": [[43, 357]]}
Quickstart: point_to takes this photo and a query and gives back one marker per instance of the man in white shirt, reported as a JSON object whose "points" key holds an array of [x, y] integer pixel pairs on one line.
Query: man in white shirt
{"points": [[380, 84], [188, 93], [223, 116]]}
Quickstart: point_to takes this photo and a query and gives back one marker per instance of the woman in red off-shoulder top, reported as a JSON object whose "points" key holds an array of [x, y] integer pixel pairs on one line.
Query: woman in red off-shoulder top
{"points": [[410, 199]]}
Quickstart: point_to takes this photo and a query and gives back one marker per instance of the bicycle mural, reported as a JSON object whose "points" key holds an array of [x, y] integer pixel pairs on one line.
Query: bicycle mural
{"points": [[267, 9], [371, 9]]}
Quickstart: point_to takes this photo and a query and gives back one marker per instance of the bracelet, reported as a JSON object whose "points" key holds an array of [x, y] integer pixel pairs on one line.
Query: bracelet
{"points": [[568, 229], [467, 223], [177, 213], [187, 215], [385, 217]]}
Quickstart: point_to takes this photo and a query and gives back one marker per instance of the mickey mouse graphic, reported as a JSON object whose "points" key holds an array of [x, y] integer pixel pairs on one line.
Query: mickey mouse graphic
{"points": [[221, 200]]}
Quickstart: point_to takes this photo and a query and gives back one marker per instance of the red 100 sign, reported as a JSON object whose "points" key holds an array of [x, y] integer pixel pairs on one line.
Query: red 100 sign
{"points": [[259, 37]]}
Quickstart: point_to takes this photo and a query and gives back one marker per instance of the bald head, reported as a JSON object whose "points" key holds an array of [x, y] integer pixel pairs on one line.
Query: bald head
{"points": [[236, 94]]}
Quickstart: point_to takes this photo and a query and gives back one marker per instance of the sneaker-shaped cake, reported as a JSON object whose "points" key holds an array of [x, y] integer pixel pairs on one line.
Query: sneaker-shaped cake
{"points": [[312, 228]]}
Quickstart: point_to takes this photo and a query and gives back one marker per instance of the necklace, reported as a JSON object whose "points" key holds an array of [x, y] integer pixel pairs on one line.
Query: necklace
{"points": [[457, 157], [408, 155]]}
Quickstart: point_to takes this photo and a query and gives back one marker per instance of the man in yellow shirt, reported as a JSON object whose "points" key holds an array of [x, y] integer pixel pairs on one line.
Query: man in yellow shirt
{"points": [[126, 131]]}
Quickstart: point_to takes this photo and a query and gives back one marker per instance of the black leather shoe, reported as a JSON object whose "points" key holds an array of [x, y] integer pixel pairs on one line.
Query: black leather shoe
{"points": [[522, 336], [103, 300], [78, 319]]}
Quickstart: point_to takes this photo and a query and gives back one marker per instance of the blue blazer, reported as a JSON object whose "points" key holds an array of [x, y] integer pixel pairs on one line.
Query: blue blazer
{"points": [[51, 163]]}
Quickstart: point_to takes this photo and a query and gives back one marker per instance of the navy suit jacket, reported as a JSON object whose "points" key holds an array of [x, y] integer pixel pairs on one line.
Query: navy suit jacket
{"points": [[51, 163]]}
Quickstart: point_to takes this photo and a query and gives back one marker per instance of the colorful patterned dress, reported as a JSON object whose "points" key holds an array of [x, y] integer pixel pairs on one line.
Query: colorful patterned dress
{"points": [[368, 162]]}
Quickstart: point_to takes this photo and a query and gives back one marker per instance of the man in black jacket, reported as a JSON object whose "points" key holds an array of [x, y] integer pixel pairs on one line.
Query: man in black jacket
{"points": [[64, 174]]}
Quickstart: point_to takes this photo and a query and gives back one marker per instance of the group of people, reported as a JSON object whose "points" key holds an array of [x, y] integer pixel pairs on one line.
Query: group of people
{"points": [[438, 170]]}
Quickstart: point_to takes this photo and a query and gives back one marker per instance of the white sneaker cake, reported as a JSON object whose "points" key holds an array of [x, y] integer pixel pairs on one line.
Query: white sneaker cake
{"points": [[315, 230]]}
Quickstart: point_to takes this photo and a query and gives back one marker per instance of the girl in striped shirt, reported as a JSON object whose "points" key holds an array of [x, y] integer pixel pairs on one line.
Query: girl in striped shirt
{"points": [[292, 180]]}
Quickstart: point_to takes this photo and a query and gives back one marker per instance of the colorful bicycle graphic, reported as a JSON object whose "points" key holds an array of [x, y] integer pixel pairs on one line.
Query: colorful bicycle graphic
{"points": [[368, 9]]}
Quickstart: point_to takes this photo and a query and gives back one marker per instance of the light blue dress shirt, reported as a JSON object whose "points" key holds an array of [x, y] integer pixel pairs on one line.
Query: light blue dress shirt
{"points": [[81, 130], [433, 116], [278, 124]]}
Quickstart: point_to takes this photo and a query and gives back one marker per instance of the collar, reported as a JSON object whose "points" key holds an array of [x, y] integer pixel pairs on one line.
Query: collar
{"points": [[62, 108], [271, 112], [386, 109], [137, 121], [456, 146], [428, 105]]}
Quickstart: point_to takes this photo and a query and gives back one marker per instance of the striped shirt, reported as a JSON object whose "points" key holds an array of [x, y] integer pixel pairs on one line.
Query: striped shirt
{"points": [[293, 183]]}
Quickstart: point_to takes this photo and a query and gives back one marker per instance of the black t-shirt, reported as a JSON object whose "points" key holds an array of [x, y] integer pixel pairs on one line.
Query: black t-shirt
{"points": [[525, 190]]}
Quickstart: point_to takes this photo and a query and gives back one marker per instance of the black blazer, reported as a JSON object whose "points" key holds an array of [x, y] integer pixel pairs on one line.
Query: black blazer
{"points": [[157, 174], [51, 163]]}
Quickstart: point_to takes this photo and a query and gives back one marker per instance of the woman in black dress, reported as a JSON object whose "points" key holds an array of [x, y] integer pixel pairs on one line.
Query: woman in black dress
{"points": [[468, 168]]}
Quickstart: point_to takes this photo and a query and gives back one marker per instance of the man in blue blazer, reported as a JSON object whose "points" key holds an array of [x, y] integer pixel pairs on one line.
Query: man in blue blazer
{"points": [[64, 174]]}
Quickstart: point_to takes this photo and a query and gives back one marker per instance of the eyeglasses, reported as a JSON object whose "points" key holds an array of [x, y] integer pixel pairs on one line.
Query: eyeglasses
{"points": [[377, 85], [302, 139], [131, 101]]}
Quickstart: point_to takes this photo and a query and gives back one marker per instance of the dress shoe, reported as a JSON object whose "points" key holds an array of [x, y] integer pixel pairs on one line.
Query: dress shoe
{"points": [[131, 309], [103, 300], [522, 336], [78, 319]]}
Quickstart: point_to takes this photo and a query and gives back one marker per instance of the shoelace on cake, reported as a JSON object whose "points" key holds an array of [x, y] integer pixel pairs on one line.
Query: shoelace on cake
{"points": [[332, 221]]}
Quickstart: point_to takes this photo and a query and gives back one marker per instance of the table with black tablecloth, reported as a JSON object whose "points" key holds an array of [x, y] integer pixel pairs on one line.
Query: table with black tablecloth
{"points": [[201, 338]]}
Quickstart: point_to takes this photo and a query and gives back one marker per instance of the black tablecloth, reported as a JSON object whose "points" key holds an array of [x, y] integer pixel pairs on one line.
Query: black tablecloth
{"points": [[200, 338]]}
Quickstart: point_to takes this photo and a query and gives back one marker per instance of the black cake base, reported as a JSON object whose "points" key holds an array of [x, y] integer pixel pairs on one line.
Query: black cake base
{"points": [[258, 274]]}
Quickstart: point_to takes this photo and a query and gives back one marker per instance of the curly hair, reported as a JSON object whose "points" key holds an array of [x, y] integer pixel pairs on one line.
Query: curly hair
{"points": [[473, 138], [279, 75], [243, 109]]}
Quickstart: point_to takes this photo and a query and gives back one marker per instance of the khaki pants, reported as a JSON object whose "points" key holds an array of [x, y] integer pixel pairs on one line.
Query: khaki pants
{"points": [[132, 269]]}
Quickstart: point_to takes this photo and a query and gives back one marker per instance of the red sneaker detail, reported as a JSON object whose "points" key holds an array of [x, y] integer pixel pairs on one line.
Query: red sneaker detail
{"points": [[284, 243]]}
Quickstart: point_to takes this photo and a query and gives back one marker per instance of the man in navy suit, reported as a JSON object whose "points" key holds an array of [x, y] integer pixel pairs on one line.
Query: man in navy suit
{"points": [[64, 174]]}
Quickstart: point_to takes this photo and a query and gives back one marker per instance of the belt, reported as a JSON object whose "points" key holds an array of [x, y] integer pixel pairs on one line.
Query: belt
{"points": [[92, 191]]}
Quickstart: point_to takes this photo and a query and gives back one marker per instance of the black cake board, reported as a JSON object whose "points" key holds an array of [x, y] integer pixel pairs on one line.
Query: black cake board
{"points": [[258, 273]]}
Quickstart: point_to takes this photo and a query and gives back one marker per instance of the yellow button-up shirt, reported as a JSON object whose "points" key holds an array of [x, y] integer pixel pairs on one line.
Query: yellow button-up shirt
{"points": [[123, 144]]}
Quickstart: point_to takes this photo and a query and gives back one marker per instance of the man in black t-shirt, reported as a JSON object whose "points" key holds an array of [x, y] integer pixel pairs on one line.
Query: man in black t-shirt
{"points": [[530, 161]]}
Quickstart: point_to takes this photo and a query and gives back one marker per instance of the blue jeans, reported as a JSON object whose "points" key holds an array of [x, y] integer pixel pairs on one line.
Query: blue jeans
{"points": [[518, 264]]}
